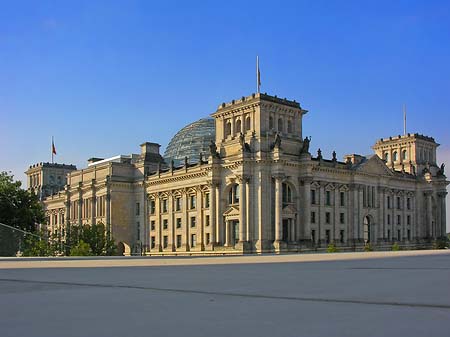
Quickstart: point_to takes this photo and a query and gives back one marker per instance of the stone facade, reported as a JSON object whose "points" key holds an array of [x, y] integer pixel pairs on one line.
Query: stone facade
{"points": [[260, 190]]}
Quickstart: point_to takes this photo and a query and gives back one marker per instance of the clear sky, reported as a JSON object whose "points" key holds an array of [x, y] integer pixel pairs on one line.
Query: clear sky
{"points": [[104, 76]]}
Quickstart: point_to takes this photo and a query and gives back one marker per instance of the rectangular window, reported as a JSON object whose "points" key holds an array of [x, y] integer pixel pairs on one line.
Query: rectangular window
{"points": [[313, 217], [342, 199], [313, 236], [152, 225], [399, 235], [193, 240], [389, 234], [178, 222], [206, 220], [164, 206], [313, 197], [388, 202], [398, 203], [327, 217], [178, 204], [193, 202], [408, 203], [165, 224], [207, 238], [409, 235], [192, 221], [178, 241], [388, 219], [152, 207], [138, 230], [342, 218], [138, 209], [207, 200], [165, 241], [328, 198], [62, 218], [152, 242], [399, 219], [327, 235], [342, 236], [408, 220]]}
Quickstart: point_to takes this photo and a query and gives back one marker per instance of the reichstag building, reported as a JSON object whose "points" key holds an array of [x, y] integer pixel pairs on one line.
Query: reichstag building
{"points": [[244, 181]]}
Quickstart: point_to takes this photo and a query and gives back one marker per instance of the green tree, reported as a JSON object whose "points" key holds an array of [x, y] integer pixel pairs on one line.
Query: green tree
{"points": [[95, 236], [18, 208]]}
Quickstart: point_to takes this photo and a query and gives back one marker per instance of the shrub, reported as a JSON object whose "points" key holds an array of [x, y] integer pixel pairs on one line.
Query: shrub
{"points": [[332, 248], [395, 247], [440, 244], [368, 247]]}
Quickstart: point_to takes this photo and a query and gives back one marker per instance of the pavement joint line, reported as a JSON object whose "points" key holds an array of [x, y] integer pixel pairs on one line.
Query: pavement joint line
{"points": [[230, 294]]}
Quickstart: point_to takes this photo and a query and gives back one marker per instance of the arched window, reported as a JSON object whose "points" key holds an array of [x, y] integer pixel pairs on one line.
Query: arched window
{"points": [[233, 195], [289, 129], [280, 125], [386, 156], [394, 156], [404, 155], [227, 128], [247, 123], [287, 194], [270, 123], [238, 126]]}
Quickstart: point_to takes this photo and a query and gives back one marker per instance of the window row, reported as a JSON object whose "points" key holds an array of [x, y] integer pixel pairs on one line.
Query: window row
{"points": [[328, 236], [178, 204], [178, 241], [398, 219], [237, 127], [282, 126], [179, 223], [328, 198], [398, 202], [328, 218]]}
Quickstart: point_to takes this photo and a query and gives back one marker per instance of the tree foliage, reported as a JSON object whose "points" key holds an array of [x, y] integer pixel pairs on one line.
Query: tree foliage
{"points": [[18, 208], [81, 249]]}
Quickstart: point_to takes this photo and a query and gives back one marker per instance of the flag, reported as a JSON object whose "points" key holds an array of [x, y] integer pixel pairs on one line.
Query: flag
{"points": [[53, 147]]}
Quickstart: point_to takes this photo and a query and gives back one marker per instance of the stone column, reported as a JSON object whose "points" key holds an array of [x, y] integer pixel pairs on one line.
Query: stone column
{"points": [[80, 207], [243, 211], [305, 233], [200, 222], [158, 225], [444, 214], [247, 220], [212, 212], [227, 233], [185, 221], [171, 224], [108, 215], [219, 217], [93, 201], [278, 209], [429, 221]]}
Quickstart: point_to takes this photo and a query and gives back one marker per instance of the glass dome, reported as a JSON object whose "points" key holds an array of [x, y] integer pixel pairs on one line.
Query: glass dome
{"points": [[190, 141]]}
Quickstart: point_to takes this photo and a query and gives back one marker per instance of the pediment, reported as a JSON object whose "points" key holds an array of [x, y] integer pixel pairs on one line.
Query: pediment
{"points": [[289, 209], [232, 211], [374, 165]]}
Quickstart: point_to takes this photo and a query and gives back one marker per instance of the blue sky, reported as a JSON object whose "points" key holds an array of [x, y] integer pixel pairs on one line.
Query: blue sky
{"points": [[104, 76]]}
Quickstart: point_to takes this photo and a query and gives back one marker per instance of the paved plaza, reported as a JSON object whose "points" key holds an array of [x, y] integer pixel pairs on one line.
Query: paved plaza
{"points": [[347, 294]]}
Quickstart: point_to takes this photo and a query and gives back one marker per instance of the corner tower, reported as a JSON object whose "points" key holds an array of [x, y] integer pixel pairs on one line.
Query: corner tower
{"points": [[255, 121], [411, 153]]}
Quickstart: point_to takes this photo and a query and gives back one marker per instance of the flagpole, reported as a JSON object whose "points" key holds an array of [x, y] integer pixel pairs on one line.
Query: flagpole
{"points": [[404, 119], [258, 76], [52, 149]]}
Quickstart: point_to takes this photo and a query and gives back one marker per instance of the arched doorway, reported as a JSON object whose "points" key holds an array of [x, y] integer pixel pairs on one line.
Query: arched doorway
{"points": [[367, 229], [123, 249]]}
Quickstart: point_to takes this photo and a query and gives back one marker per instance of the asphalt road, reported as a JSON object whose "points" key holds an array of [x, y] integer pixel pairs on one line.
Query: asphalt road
{"points": [[365, 294]]}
